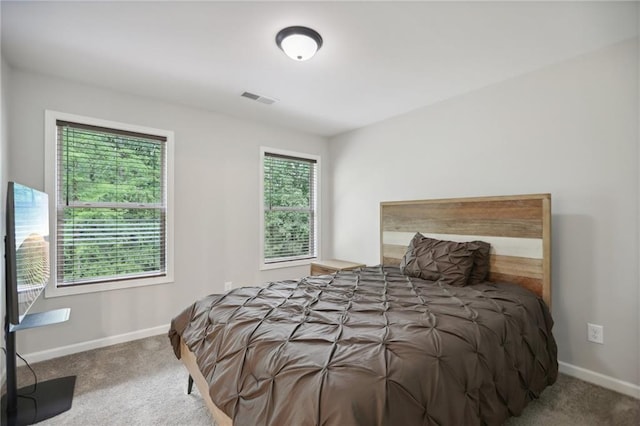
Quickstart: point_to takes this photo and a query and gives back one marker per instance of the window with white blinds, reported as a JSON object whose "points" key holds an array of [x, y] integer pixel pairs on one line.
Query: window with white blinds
{"points": [[111, 204], [290, 191]]}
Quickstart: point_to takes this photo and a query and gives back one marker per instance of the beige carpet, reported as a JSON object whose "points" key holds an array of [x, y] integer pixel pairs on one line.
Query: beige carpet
{"points": [[142, 383]]}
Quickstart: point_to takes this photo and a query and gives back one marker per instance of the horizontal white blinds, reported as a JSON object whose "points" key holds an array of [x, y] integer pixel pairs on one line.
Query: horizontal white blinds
{"points": [[111, 204], [289, 208]]}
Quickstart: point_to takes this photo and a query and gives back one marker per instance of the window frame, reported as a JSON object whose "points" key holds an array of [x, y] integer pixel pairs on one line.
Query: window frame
{"points": [[317, 216], [51, 188]]}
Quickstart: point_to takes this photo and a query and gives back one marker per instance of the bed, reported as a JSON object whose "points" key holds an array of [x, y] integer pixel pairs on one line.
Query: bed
{"points": [[390, 344]]}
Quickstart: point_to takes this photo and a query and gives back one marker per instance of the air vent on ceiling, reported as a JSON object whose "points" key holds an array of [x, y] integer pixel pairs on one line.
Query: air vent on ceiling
{"points": [[259, 98]]}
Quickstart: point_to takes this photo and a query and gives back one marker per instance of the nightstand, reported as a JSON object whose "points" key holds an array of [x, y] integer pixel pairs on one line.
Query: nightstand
{"points": [[323, 267]]}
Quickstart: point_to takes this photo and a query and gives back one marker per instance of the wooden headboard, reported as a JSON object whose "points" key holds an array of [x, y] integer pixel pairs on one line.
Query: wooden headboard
{"points": [[517, 227]]}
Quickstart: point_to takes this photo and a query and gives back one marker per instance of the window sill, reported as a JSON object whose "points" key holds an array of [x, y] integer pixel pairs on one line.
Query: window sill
{"points": [[52, 290], [287, 264]]}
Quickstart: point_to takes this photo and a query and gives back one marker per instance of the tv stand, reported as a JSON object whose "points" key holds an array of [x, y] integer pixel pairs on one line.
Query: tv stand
{"points": [[30, 405], [40, 319]]}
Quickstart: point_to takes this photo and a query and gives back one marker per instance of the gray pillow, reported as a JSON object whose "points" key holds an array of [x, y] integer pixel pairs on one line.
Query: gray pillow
{"points": [[481, 257], [437, 260]]}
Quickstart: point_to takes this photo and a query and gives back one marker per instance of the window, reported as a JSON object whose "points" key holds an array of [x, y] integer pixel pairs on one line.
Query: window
{"points": [[112, 210], [289, 207]]}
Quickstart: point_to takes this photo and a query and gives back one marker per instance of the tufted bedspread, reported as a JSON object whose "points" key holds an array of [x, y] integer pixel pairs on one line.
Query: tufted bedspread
{"points": [[371, 347]]}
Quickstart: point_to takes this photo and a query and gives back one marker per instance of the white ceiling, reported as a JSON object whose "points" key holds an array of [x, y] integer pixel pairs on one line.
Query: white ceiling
{"points": [[379, 59]]}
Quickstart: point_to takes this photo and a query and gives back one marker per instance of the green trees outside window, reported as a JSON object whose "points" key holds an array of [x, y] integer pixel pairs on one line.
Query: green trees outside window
{"points": [[289, 208]]}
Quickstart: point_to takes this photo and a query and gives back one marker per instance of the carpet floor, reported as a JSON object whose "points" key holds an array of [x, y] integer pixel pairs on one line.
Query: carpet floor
{"points": [[142, 383]]}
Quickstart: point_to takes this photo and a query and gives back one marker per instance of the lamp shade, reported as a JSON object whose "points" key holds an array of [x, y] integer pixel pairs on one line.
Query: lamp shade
{"points": [[299, 43]]}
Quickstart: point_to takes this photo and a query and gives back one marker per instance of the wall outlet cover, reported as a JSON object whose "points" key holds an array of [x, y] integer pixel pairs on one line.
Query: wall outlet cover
{"points": [[595, 333]]}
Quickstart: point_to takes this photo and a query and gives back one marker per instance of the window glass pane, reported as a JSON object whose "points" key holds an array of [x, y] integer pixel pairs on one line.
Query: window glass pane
{"points": [[288, 183], [287, 234], [103, 167], [103, 244]]}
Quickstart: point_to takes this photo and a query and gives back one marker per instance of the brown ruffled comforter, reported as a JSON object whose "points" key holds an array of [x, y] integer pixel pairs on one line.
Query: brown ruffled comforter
{"points": [[371, 347]]}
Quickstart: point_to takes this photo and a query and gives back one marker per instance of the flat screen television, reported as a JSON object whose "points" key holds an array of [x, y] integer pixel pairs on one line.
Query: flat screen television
{"points": [[26, 275], [27, 254]]}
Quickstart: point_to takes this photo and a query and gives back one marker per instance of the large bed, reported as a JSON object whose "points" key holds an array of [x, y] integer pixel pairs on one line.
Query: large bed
{"points": [[390, 344]]}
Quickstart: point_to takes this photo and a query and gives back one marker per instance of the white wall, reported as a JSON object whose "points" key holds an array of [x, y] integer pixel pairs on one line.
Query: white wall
{"points": [[570, 129], [216, 195], [638, 176]]}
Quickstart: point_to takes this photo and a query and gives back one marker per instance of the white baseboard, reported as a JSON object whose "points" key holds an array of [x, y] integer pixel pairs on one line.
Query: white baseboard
{"points": [[95, 344], [599, 379]]}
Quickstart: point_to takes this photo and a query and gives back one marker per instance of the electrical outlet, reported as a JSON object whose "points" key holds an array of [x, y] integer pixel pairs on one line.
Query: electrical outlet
{"points": [[228, 286], [595, 333]]}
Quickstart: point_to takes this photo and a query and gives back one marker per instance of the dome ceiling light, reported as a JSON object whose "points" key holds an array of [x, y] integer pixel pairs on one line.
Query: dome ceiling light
{"points": [[299, 43]]}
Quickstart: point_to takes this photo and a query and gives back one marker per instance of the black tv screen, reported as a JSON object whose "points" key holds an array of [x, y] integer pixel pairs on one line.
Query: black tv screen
{"points": [[27, 248]]}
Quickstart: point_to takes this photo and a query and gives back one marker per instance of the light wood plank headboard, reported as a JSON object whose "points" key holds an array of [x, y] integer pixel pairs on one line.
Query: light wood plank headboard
{"points": [[518, 228]]}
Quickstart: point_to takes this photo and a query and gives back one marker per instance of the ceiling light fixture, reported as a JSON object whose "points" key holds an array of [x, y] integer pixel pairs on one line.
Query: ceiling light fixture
{"points": [[299, 43]]}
